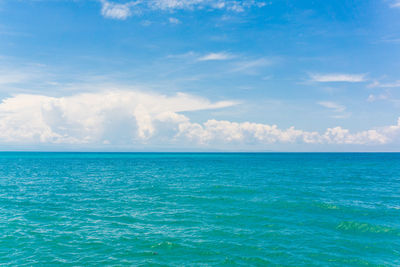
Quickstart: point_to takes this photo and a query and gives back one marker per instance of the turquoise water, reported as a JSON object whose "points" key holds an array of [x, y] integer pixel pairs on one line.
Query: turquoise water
{"points": [[200, 209]]}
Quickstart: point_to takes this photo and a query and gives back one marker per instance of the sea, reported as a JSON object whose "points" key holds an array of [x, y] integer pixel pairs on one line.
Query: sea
{"points": [[199, 209]]}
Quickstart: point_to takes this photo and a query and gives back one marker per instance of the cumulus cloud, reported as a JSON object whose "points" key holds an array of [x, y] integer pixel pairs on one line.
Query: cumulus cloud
{"points": [[133, 117], [226, 131], [85, 118], [121, 11], [337, 77]]}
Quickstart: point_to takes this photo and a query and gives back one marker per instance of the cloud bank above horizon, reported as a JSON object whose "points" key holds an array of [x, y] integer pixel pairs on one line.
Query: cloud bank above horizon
{"points": [[121, 117]]}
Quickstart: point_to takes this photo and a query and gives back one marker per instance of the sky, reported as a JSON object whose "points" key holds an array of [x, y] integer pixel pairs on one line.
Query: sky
{"points": [[200, 75]]}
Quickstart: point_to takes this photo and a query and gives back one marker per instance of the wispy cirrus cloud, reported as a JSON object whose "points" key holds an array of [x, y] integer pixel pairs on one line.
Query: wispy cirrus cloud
{"points": [[174, 4], [338, 77], [233, 5], [11, 76], [373, 97], [216, 56], [384, 85], [395, 4], [332, 105], [338, 109], [122, 11], [197, 56], [251, 66]]}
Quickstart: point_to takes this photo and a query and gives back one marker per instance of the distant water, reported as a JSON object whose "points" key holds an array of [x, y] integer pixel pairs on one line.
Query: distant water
{"points": [[200, 209]]}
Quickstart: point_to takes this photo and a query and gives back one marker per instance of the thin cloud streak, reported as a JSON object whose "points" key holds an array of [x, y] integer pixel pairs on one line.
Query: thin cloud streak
{"points": [[384, 85], [395, 4], [332, 105], [216, 56], [120, 11], [338, 109], [338, 77], [250, 66]]}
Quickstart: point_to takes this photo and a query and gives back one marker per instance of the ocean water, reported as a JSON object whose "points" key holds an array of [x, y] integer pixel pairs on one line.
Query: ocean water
{"points": [[178, 209]]}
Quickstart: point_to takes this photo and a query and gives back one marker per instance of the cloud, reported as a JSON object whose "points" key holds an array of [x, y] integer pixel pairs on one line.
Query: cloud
{"points": [[215, 56], [226, 131], [115, 10], [332, 105], [233, 5], [352, 78], [373, 98], [175, 4], [187, 55], [25, 73], [84, 118], [174, 21], [384, 85], [335, 107], [13, 78], [395, 4], [250, 66], [120, 11], [133, 117]]}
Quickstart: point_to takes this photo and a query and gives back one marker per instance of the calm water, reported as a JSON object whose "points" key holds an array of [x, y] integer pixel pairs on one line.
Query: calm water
{"points": [[200, 209]]}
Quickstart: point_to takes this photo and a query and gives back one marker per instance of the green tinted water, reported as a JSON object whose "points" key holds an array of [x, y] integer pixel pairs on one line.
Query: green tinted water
{"points": [[200, 209]]}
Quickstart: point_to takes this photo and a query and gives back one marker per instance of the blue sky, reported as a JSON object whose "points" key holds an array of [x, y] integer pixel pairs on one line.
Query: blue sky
{"points": [[200, 75]]}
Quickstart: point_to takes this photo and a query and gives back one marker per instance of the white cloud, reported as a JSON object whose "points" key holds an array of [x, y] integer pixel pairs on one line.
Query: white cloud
{"points": [[338, 109], [250, 66], [384, 85], [373, 98], [86, 118], [133, 117], [187, 55], [10, 76], [215, 56], [233, 5], [225, 131], [337, 77], [174, 20], [114, 10], [174, 4], [332, 105], [91, 117]]}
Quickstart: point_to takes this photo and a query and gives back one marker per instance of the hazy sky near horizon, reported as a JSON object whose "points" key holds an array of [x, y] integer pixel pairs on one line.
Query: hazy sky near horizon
{"points": [[200, 75]]}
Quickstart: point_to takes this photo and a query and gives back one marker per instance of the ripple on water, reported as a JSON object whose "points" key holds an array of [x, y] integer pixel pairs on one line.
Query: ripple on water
{"points": [[359, 227]]}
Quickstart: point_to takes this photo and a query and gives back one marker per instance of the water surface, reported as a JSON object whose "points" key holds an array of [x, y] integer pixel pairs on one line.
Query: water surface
{"points": [[175, 209]]}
